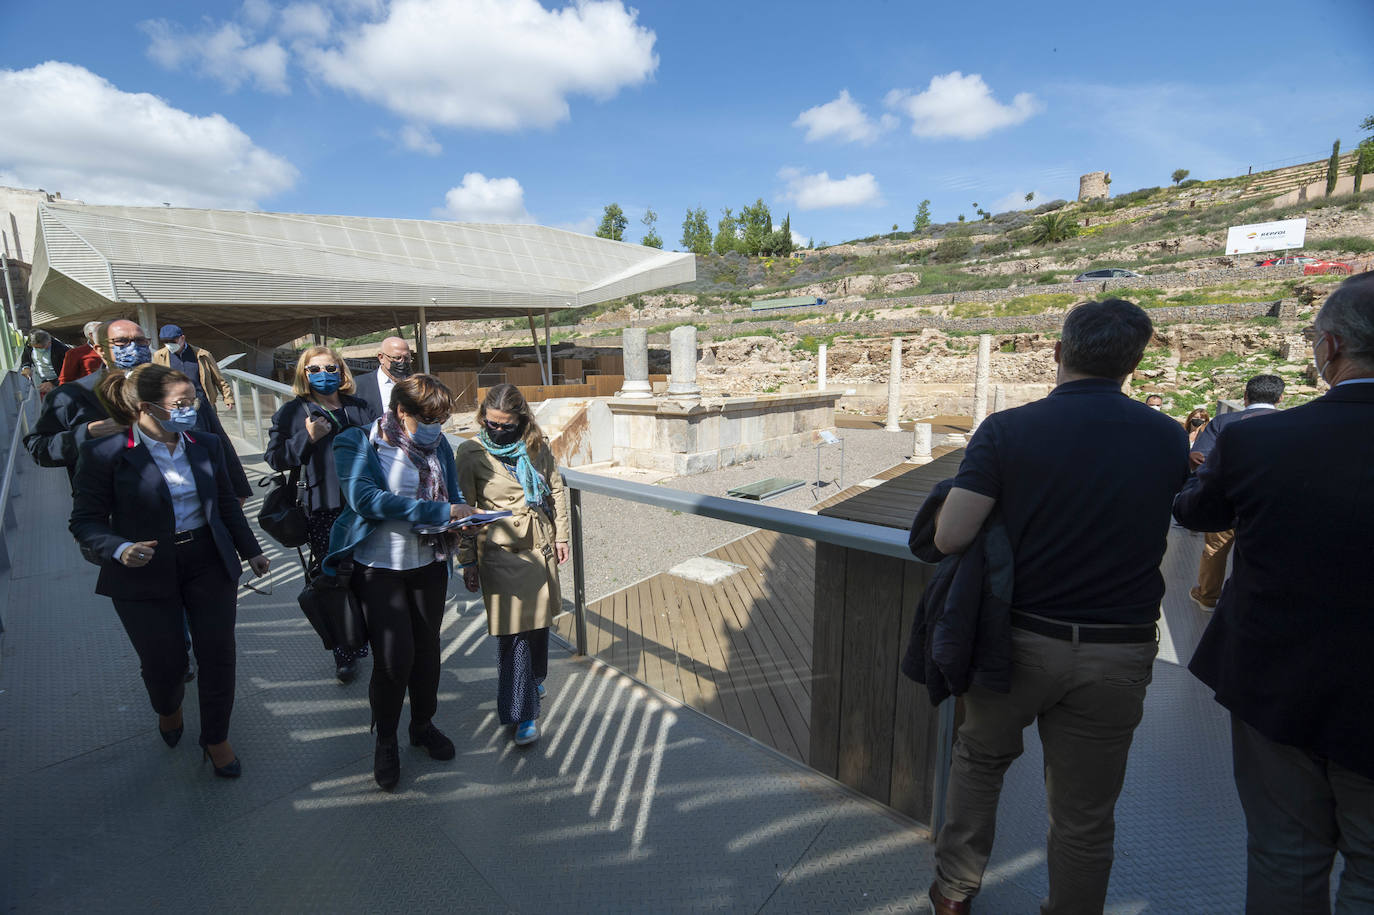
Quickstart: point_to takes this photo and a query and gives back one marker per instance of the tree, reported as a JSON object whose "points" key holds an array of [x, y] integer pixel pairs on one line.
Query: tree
{"points": [[650, 220], [1364, 154], [894, 227], [755, 224], [727, 232], [1051, 228], [961, 217], [922, 220], [1178, 175], [613, 223], [1333, 166], [1030, 196], [696, 232]]}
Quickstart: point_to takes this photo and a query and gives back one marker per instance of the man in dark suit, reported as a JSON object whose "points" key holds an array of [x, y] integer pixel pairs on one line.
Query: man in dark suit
{"points": [[394, 364], [41, 361], [1262, 395], [1289, 649]]}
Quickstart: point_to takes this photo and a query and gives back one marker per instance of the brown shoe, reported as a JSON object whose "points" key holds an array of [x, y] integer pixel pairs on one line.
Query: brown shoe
{"points": [[943, 906]]}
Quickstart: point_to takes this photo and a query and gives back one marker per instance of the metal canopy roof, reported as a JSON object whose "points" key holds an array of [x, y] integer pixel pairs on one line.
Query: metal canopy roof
{"points": [[267, 276]]}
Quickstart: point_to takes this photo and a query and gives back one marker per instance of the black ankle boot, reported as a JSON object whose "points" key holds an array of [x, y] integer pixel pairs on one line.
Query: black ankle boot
{"points": [[386, 763], [433, 740]]}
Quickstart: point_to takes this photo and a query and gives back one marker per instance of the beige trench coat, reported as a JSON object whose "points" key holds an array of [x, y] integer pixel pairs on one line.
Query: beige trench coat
{"points": [[515, 556]]}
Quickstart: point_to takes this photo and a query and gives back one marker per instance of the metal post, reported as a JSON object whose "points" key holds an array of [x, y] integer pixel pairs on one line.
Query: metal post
{"points": [[238, 408], [422, 338], [841, 483], [548, 347], [257, 415], [534, 335], [9, 290], [579, 572], [944, 750]]}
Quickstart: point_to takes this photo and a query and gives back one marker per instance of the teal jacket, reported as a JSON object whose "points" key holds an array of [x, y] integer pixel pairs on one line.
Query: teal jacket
{"points": [[367, 501]]}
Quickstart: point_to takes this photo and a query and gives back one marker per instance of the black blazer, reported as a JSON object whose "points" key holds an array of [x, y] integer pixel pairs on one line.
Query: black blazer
{"points": [[1207, 438], [289, 445], [120, 495], [58, 351], [369, 390], [60, 431], [1288, 649]]}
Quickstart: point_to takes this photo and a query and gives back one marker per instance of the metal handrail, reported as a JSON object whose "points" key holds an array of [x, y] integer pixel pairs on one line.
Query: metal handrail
{"points": [[21, 428]]}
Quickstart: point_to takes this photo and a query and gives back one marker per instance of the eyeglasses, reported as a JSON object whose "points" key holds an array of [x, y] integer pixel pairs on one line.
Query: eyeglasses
{"points": [[316, 369], [501, 427], [125, 341], [402, 359], [263, 586], [181, 405]]}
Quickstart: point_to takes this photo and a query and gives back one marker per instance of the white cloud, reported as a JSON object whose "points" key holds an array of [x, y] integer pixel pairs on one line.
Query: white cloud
{"points": [[1016, 200], [420, 140], [71, 130], [256, 13], [305, 20], [493, 65], [483, 199], [224, 53], [842, 119], [955, 105], [820, 191]]}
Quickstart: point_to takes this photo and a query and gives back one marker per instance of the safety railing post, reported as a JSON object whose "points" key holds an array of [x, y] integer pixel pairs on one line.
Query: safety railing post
{"points": [[238, 407], [257, 415], [579, 572]]}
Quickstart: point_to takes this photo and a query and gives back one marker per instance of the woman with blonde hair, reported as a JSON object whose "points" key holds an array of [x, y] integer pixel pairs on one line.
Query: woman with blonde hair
{"points": [[515, 560], [154, 506], [1195, 422], [302, 442]]}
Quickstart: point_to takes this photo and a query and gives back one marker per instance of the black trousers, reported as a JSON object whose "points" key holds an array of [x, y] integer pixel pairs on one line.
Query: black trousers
{"points": [[206, 600], [403, 610]]}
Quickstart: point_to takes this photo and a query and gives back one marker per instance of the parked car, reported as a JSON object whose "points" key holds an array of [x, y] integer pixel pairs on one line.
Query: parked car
{"points": [[1311, 266], [1110, 273]]}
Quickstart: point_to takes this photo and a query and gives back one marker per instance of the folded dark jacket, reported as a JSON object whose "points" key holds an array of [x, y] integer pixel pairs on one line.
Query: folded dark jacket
{"points": [[962, 630]]}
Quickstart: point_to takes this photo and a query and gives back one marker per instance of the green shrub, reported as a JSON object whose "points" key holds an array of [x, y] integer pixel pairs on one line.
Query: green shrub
{"points": [[1053, 227], [1353, 244], [999, 246], [954, 248]]}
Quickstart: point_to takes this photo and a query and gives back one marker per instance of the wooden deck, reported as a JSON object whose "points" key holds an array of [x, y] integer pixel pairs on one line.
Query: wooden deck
{"points": [[740, 650]]}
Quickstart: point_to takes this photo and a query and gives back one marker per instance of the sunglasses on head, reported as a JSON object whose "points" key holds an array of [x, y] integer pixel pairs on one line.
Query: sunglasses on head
{"points": [[316, 369], [501, 427]]}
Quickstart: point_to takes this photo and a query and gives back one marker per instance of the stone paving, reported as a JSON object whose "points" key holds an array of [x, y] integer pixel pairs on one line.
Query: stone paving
{"points": [[629, 803]]}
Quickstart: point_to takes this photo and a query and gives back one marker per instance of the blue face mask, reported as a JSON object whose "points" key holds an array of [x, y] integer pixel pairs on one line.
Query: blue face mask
{"points": [[131, 354], [180, 419], [325, 382], [426, 434]]}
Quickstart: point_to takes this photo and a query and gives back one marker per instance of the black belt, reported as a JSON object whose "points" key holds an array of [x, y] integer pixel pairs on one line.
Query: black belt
{"points": [[1084, 632], [181, 538]]}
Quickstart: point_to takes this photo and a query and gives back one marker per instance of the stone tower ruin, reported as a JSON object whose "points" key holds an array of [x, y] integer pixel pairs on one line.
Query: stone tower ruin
{"points": [[1094, 186]]}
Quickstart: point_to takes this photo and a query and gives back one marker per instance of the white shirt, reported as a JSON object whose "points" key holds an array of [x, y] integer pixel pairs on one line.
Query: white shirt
{"points": [[394, 545], [384, 385], [42, 364], [175, 467]]}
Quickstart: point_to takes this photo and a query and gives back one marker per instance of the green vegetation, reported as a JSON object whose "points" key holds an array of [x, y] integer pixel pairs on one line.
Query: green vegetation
{"points": [[811, 344], [670, 327], [1353, 244], [1333, 166], [922, 220], [651, 238], [696, 232], [613, 223], [1178, 175], [1053, 227], [951, 249], [1207, 364], [1021, 305]]}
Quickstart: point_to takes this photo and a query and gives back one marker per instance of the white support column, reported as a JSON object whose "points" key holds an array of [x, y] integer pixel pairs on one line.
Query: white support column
{"points": [[634, 348], [682, 383], [820, 368], [422, 340], [922, 443], [999, 398], [980, 380], [894, 388], [147, 319]]}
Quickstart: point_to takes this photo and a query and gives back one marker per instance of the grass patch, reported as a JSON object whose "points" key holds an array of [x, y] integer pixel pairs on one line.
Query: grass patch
{"points": [[812, 344], [669, 328], [1207, 364]]}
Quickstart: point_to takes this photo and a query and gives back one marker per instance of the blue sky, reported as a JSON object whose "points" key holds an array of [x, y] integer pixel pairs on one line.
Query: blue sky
{"points": [[843, 115]]}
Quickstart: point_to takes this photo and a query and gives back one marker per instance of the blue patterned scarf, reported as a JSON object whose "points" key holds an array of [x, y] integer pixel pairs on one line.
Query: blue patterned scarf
{"points": [[531, 481]]}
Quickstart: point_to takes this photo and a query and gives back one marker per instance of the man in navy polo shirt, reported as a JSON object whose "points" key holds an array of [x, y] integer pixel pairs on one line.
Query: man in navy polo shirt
{"points": [[1083, 480]]}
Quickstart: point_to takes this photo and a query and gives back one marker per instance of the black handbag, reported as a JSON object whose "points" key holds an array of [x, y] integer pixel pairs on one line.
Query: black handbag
{"points": [[283, 517], [332, 608]]}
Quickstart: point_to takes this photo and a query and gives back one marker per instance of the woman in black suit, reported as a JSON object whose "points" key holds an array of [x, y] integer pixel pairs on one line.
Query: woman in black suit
{"points": [[302, 437], [155, 507]]}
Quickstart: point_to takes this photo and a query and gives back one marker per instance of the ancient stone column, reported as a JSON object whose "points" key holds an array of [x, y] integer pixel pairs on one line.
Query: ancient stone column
{"points": [[682, 385], [894, 388], [999, 399], [920, 452], [980, 380], [820, 368], [634, 348]]}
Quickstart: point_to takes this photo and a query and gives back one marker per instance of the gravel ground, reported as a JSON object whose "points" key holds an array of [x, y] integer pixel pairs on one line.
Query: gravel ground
{"points": [[629, 541]]}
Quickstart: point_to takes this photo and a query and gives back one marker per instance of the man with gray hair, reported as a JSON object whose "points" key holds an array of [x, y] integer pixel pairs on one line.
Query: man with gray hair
{"points": [[42, 361], [1088, 522], [84, 359], [1288, 650]]}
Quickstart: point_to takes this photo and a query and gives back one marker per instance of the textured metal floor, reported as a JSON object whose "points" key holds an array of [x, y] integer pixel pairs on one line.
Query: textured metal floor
{"points": [[627, 804]]}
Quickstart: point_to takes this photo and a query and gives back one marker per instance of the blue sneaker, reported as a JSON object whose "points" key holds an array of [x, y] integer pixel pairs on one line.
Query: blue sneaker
{"points": [[540, 690], [526, 732]]}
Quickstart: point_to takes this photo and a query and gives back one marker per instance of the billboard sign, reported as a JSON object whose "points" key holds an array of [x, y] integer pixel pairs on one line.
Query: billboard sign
{"points": [[1266, 236]]}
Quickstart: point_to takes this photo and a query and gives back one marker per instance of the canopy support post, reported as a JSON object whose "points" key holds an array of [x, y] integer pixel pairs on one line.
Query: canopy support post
{"points": [[422, 340], [548, 347], [534, 335]]}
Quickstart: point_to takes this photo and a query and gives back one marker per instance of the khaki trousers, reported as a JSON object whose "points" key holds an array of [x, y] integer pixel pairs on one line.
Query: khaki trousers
{"points": [[1086, 700], [1211, 568]]}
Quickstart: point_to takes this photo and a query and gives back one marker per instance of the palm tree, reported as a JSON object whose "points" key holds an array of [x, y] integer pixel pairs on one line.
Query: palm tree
{"points": [[1052, 227]]}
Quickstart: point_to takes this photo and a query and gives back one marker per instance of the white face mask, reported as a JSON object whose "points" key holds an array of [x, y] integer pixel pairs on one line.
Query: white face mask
{"points": [[1321, 370], [1155, 406]]}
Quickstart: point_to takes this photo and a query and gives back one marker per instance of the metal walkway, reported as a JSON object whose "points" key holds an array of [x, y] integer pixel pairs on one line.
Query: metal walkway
{"points": [[629, 803]]}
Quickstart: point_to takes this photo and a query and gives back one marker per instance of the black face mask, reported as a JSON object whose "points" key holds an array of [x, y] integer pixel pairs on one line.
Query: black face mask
{"points": [[1195, 422], [504, 436], [398, 370]]}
